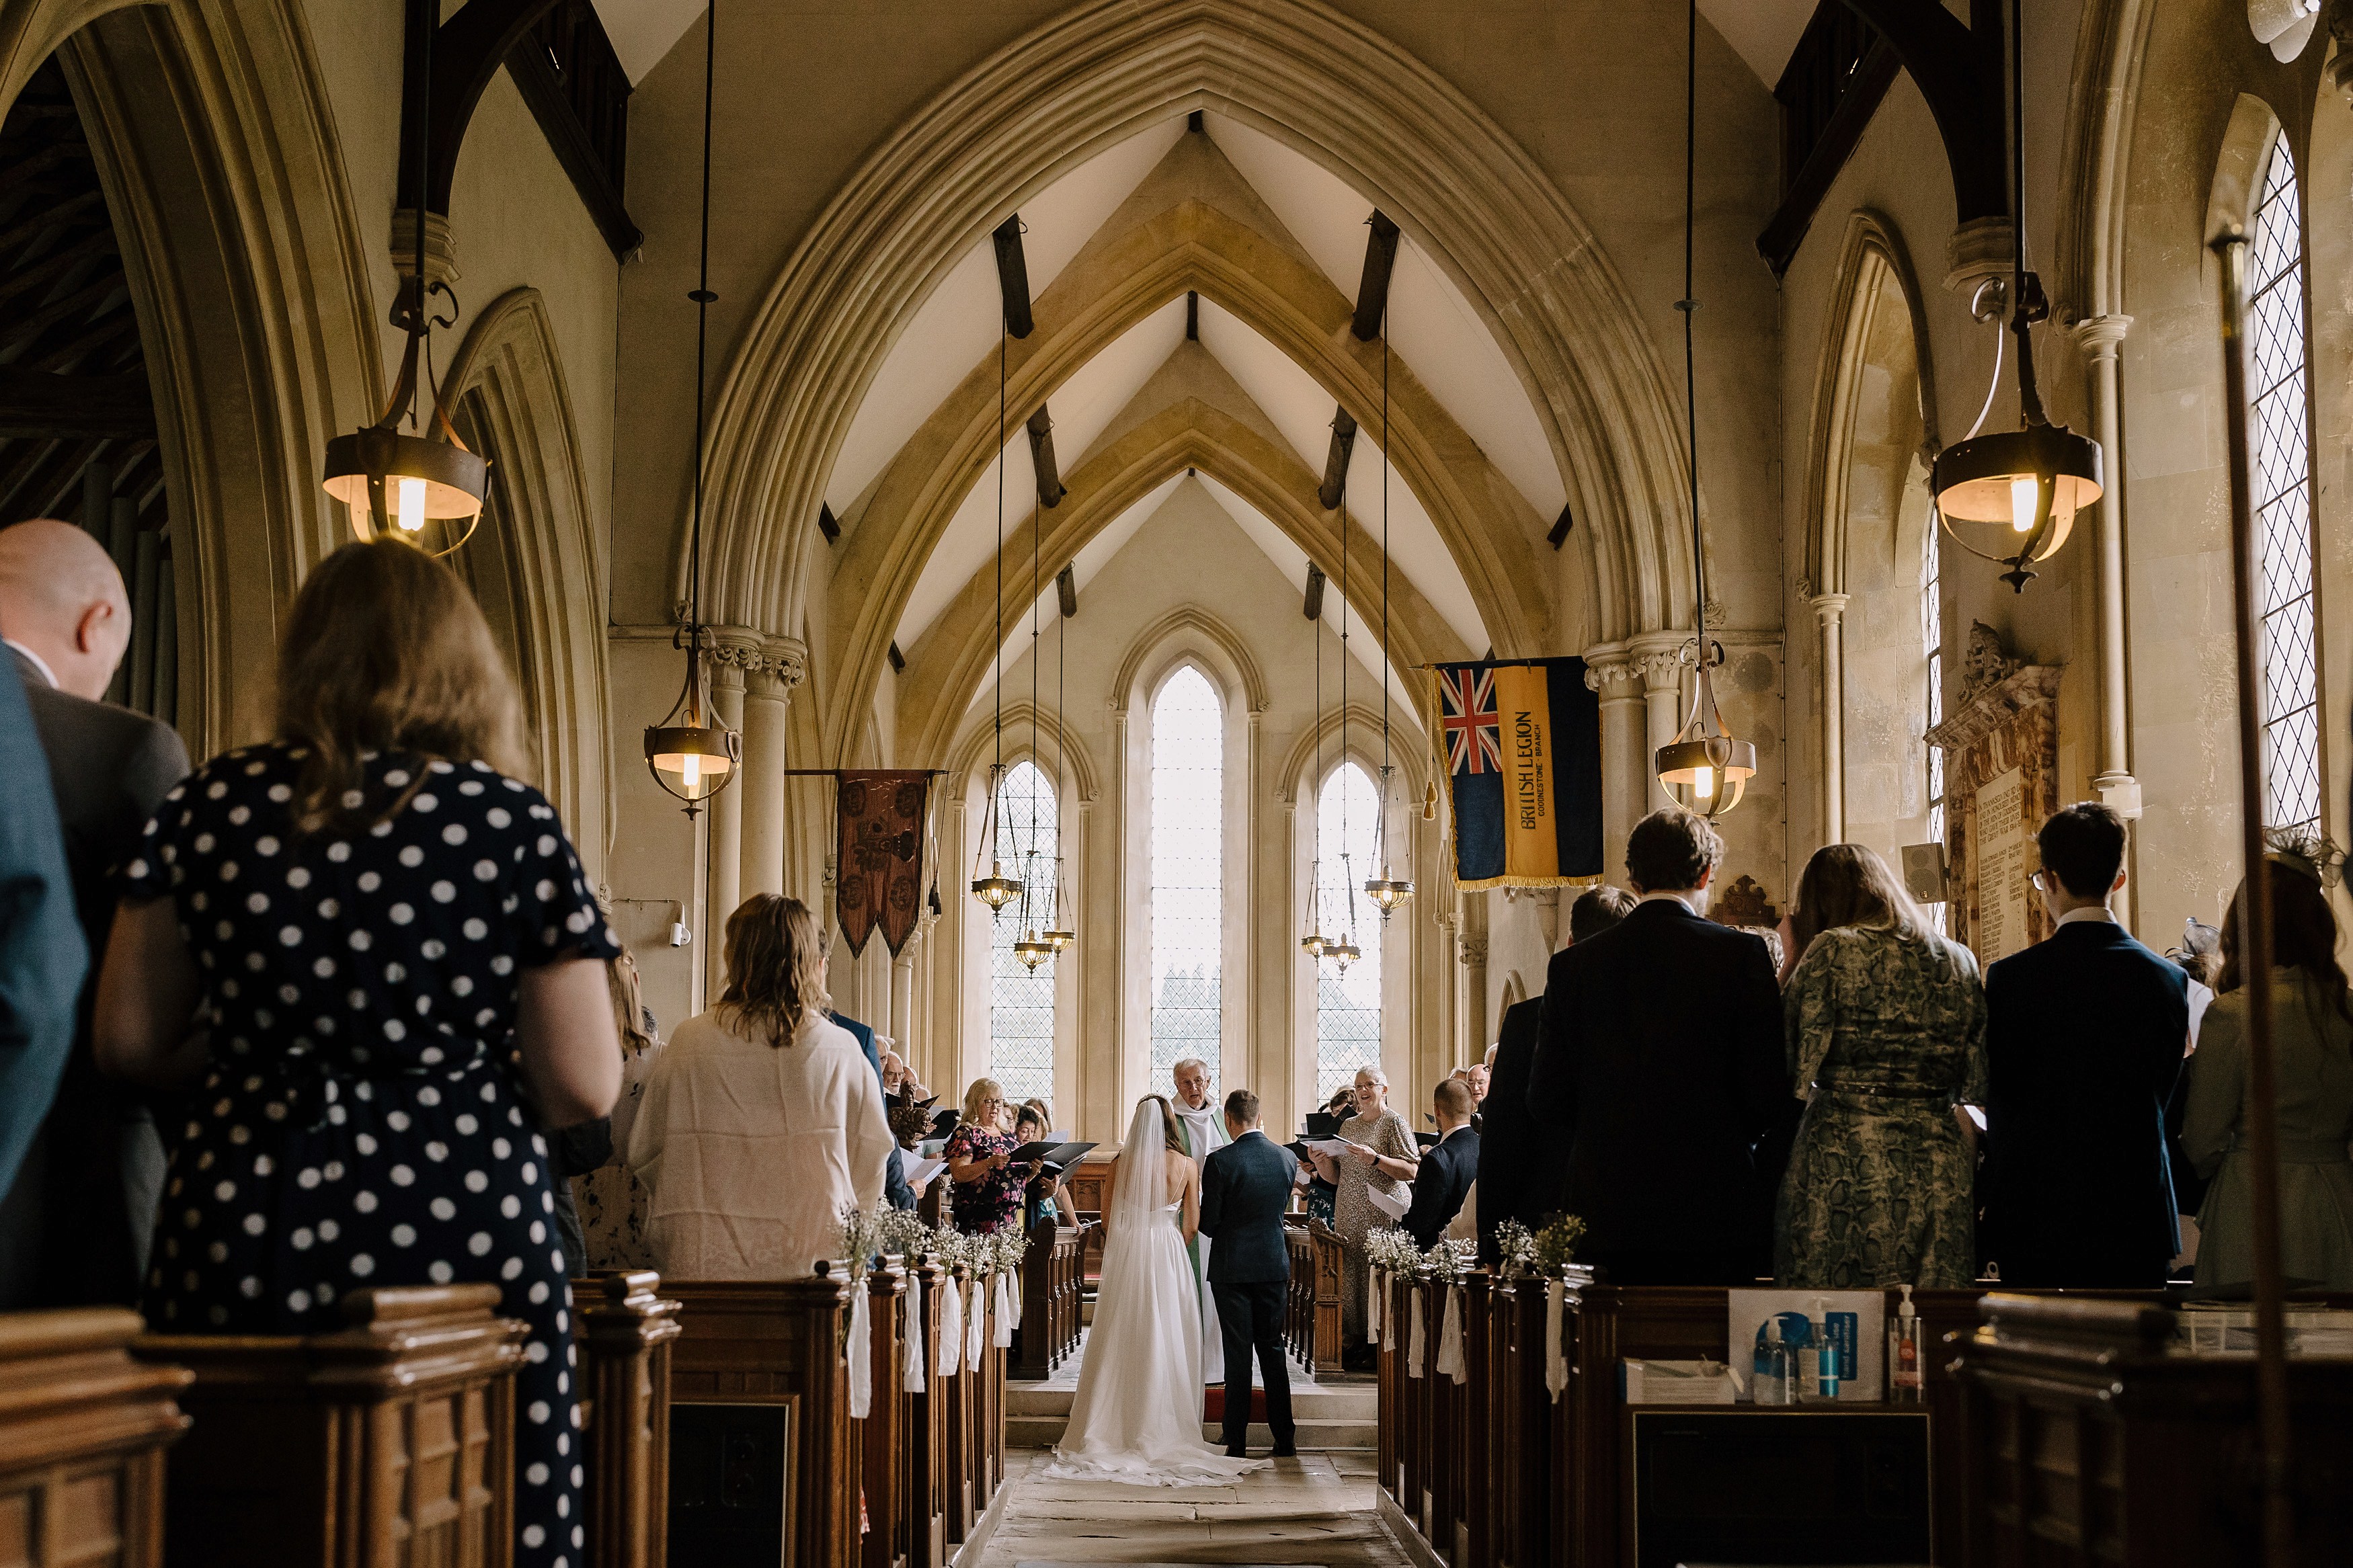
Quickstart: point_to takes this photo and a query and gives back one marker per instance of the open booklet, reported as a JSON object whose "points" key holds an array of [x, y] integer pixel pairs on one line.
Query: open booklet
{"points": [[1051, 1155], [1392, 1206], [919, 1169]]}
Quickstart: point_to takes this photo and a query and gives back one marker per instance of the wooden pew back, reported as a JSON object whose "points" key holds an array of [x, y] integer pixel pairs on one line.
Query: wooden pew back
{"points": [[388, 1442], [83, 1430], [624, 1329]]}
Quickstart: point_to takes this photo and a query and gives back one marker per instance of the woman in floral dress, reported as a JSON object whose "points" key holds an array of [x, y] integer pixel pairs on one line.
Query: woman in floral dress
{"points": [[1885, 1024], [613, 1222], [1382, 1153], [987, 1188]]}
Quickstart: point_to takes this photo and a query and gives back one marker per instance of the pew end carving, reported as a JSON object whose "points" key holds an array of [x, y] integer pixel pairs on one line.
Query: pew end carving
{"points": [[83, 1431]]}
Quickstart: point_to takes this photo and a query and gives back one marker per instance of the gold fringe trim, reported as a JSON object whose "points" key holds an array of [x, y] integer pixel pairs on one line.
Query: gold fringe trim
{"points": [[1510, 881]]}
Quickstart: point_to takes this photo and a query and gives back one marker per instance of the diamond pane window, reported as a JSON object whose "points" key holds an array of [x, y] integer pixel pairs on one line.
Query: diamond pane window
{"points": [[2281, 437], [1347, 1007], [1020, 1002], [1188, 797]]}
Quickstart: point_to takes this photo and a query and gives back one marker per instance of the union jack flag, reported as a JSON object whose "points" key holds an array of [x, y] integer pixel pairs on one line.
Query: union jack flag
{"points": [[1474, 735]]}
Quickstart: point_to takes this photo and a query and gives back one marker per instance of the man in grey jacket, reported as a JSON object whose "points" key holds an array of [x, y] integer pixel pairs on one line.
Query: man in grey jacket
{"points": [[75, 1227]]}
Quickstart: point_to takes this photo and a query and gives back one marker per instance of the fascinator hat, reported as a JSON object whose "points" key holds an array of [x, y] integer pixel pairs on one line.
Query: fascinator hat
{"points": [[2306, 852]]}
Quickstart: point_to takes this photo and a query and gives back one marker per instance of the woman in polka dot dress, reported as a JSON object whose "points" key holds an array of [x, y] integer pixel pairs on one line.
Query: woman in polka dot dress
{"points": [[373, 958]]}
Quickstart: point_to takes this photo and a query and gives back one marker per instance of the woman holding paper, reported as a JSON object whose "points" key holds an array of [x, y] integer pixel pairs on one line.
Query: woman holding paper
{"points": [[1377, 1156]]}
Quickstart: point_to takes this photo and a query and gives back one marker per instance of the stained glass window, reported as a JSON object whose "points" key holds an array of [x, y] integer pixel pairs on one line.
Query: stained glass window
{"points": [[2281, 420], [1347, 1007], [1021, 1001], [1189, 789]]}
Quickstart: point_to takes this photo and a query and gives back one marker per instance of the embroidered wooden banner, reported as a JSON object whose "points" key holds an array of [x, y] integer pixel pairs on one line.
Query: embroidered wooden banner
{"points": [[879, 879]]}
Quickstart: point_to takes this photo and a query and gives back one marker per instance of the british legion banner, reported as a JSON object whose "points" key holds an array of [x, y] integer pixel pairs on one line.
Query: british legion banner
{"points": [[878, 880], [1522, 748]]}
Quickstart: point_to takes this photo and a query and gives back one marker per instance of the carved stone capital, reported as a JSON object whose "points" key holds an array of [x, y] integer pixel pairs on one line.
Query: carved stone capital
{"points": [[1828, 607], [1609, 671], [2100, 336], [2120, 793], [440, 247], [1473, 951], [1978, 250], [781, 662]]}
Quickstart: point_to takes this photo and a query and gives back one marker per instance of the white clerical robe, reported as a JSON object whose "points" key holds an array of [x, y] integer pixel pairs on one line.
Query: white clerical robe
{"points": [[1205, 1131]]}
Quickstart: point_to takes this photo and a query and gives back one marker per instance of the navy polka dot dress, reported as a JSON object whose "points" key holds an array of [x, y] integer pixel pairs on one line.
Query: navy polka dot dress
{"points": [[361, 1124]]}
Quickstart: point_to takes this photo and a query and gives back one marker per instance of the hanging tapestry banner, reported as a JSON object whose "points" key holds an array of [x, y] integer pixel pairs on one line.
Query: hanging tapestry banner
{"points": [[1521, 742], [879, 879]]}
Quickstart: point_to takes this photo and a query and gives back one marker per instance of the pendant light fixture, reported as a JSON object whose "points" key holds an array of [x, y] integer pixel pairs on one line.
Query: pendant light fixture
{"points": [[1705, 760], [692, 753], [1059, 934], [1031, 948], [394, 484], [1343, 950], [2017, 492], [1314, 942], [1386, 890], [997, 890]]}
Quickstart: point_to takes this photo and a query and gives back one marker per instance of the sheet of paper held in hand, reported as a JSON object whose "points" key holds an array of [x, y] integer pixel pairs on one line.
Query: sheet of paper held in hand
{"points": [[1394, 1207], [1335, 1147], [918, 1172]]}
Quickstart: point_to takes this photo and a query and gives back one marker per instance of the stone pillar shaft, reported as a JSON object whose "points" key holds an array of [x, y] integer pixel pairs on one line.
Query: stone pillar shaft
{"points": [[1831, 609]]}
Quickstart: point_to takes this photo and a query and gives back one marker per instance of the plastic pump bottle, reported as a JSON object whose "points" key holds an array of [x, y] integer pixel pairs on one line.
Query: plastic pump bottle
{"points": [[1826, 1355], [1904, 1369], [1777, 1368]]}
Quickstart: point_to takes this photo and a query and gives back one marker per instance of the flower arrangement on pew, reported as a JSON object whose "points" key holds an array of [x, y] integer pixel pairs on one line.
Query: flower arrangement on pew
{"points": [[1553, 1251], [1516, 1247], [865, 1236], [1448, 1264], [1392, 1249]]}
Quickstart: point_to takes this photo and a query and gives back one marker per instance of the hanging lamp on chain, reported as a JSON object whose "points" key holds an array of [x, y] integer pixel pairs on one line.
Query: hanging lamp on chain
{"points": [[1061, 934], [1342, 950], [396, 484], [997, 890], [1386, 890], [1707, 766], [2011, 497], [1031, 947], [1314, 942], [692, 753]]}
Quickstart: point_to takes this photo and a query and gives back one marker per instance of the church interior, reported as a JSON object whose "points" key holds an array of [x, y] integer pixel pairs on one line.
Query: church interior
{"points": [[1081, 495]]}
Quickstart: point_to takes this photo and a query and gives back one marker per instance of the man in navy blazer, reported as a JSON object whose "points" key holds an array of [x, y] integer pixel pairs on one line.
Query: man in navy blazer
{"points": [[1245, 1187], [2084, 1035], [1659, 1057], [1448, 1168]]}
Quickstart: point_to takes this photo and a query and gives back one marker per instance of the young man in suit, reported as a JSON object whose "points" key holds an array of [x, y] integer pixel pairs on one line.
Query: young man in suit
{"points": [[2084, 1035], [1245, 1187], [83, 1208], [1659, 1056], [1448, 1168]]}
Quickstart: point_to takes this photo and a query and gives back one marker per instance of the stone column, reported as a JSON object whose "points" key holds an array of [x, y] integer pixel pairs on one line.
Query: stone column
{"points": [[1624, 761], [1659, 659], [1472, 1043], [726, 813], [1831, 609], [772, 668], [2101, 337]]}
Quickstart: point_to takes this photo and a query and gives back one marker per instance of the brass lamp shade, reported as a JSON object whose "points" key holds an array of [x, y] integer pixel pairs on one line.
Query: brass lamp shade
{"points": [[2016, 492], [693, 762], [1344, 952], [398, 483], [997, 890], [1707, 762], [1032, 951], [1387, 893], [1059, 940], [1314, 943]]}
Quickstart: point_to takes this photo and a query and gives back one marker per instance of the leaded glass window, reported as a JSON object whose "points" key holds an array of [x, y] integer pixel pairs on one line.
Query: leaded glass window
{"points": [[1347, 1007], [2281, 420], [1189, 794], [1020, 1000]]}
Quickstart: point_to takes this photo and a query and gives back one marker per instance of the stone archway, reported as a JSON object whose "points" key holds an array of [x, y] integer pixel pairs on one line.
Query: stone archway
{"points": [[1302, 72]]}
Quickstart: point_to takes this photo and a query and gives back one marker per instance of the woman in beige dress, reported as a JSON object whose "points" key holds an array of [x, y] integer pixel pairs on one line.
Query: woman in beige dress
{"points": [[1381, 1154], [2312, 1049]]}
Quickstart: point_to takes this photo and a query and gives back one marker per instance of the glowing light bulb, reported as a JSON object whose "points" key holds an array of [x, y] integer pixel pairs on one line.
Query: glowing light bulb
{"points": [[1704, 783], [2024, 494], [412, 505], [690, 770]]}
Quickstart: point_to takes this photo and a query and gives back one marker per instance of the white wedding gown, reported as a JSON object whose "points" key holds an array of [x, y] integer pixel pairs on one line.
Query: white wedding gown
{"points": [[1137, 1417]]}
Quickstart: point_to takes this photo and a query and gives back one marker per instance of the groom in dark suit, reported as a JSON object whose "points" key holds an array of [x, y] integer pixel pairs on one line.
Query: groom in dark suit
{"points": [[1245, 1187]]}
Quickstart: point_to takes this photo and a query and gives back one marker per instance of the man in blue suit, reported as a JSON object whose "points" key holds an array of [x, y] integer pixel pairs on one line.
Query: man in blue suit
{"points": [[2084, 1035], [42, 955], [1245, 1187], [895, 1190], [1448, 1168]]}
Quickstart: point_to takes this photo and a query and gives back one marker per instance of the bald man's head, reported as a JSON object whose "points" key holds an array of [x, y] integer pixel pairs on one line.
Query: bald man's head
{"points": [[61, 598]]}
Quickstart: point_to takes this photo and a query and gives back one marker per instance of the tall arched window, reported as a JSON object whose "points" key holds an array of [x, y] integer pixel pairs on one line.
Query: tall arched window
{"points": [[1189, 789], [1021, 1001], [2281, 439], [1347, 1007]]}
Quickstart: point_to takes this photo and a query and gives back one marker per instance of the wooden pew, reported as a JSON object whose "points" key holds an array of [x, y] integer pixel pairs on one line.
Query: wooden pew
{"points": [[1312, 1307], [759, 1423], [1050, 1283], [623, 1330], [1520, 1409], [2089, 1444], [924, 1486], [1088, 1186], [885, 1429], [391, 1441], [83, 1428]]}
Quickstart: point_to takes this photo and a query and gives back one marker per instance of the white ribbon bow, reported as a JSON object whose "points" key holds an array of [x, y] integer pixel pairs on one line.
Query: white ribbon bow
{"points": [[1555, 1363], [1376, 1300], [1006, 1317], [910, 1353], [976, 1331], [950, 1326], [860, 1348], [1418, 1345], [1449, 1338]]}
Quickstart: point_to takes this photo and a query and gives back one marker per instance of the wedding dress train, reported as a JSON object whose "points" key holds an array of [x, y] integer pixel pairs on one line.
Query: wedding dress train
{"points": [[1137, 1417]]}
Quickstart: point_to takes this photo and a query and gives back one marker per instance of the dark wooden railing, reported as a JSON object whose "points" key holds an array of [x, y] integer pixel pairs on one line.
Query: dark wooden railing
{"points": [[1051, 1283], [623, 1329], [1311, 1321], [83, 1431]]}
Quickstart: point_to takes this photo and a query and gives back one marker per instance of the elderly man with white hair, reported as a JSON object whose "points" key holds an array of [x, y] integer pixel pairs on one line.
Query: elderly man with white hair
{"points": [[74, 1229], [1203, 1125], [1381, 1156]]}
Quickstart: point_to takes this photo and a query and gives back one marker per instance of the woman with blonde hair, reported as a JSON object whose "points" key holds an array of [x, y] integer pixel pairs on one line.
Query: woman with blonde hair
{"points": [[368, 950], [761, 1121], [1885, 1024], [985, 1186]]}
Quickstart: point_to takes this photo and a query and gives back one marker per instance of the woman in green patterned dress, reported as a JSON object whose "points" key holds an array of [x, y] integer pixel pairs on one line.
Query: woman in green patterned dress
{"points": [[1885, 1022]]}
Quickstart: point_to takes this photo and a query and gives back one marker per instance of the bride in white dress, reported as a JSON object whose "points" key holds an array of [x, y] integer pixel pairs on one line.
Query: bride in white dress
{"points": [[1137, 1417]]}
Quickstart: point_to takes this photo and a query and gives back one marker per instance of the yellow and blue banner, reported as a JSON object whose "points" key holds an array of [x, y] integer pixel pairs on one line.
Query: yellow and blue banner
{"points": [[1521, 742]]}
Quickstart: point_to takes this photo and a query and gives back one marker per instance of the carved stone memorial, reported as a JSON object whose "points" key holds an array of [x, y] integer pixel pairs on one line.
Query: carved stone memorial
{"points": [[2002, 765]]}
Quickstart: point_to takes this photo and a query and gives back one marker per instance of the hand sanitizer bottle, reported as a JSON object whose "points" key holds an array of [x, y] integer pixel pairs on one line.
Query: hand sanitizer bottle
{"points": [[1904, 1386], [1826, 1353], [1777, 1371]]}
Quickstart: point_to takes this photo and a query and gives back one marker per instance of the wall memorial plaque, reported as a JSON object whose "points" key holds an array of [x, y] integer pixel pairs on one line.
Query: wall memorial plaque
{"points": [[2000, 743]]}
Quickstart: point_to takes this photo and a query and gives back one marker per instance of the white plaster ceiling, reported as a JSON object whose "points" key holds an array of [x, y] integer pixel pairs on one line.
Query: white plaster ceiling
{"points": [[1762, 32], [643, 31], [958, 325]]}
